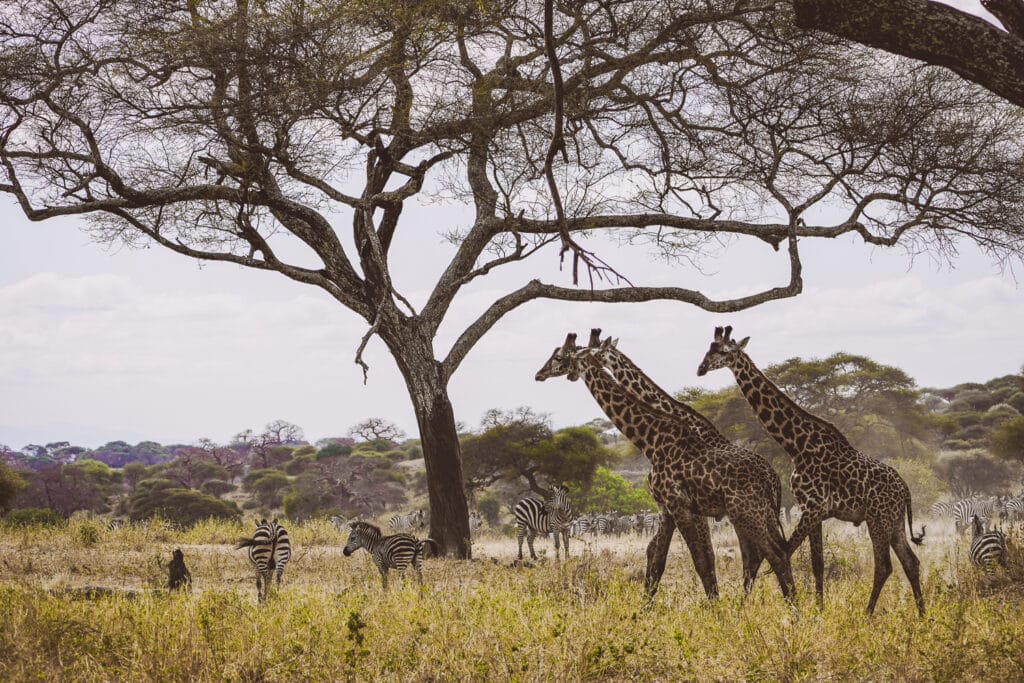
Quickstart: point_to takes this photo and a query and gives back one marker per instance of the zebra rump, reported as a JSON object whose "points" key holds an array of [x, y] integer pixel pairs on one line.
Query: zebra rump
{"points": [[987, 547]]}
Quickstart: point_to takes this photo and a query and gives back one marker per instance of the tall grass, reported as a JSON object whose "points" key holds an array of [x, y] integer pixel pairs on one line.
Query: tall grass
{"points": [[582, 619]]}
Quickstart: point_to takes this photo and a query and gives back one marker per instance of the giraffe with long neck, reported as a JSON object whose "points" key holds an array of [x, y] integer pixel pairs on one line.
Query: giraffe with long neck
{"points": [[637, 382], [831, 479], [687, 478]]}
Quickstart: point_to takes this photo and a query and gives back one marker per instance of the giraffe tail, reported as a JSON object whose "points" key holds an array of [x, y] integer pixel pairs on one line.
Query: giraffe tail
{"points": [[910, 523]]}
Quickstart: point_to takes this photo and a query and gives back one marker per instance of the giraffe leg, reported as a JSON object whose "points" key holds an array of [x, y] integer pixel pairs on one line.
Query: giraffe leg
{"points": [[911, 565], [657, 551], [817, 563], [697, 535], [751, 558], [881, 535]]}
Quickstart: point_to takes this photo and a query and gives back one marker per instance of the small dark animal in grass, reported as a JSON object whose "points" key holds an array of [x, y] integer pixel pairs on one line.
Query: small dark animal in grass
{"points": [[179, 577], [389, 552]]}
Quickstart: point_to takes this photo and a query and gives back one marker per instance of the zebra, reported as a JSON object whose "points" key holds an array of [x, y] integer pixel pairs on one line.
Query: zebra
{"points": [[943, 508], [407, 522], [965, 509], [579, 526], [397, 551], [533, 517], [986, 546], [476, 521], [115, 524], [602, 524], [645, 523], [269, 549], [1013, 508]]}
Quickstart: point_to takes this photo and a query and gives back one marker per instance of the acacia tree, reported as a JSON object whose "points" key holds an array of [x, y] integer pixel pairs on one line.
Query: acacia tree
{"points": [[217, 128]]}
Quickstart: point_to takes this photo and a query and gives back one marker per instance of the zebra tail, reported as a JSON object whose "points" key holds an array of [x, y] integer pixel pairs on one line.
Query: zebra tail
{"points": [[436, 547], [910, 523], [245, 543]]}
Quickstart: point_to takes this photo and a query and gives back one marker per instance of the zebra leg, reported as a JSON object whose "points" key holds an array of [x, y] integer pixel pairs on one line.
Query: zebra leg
{"points": [[657, 552], [530, 535], [565, 540], [520, 534], [911, 565], [383, 576], [881, 536]]}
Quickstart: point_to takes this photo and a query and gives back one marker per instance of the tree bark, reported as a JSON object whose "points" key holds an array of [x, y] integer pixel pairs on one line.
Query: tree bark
{"points": [[930, 31], [428, 389]]}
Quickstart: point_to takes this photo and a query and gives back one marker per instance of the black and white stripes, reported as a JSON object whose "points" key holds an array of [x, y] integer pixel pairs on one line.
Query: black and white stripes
{"points": [[268, 549], [388, 552], [413, 520], [536, 517], [987, 547]]}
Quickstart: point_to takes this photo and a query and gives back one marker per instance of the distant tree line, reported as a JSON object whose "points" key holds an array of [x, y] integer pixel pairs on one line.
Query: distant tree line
{"points": [[960, 440]]}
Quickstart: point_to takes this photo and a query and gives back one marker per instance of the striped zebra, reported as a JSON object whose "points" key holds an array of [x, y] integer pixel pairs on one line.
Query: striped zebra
{"points": [[413, 520], [987, 547], [943, 508], [646, 523], [579, 526], [602, 524], [397, 551], [965, 509], [476, 521], [536, 517], [1013, 508], [268, 549]]}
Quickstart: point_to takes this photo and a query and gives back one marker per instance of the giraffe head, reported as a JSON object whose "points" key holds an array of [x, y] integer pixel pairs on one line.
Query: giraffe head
{"points": [[723, 352], [561, 361]]}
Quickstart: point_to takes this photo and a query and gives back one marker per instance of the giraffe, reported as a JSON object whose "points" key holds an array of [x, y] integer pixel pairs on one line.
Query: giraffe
{"points": [[637, 382], [689, 480], [830, 478]]}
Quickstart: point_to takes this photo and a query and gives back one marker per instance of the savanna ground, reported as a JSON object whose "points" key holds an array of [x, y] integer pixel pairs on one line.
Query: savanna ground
{"points": [[581, 619]]}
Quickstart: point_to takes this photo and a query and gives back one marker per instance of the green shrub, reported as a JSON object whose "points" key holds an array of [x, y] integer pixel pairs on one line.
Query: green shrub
{"points": [[34, 517]]}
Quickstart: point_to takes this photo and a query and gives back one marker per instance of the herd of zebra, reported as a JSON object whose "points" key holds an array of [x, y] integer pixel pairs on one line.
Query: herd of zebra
{"points": [[269, 548], [980, 514]]}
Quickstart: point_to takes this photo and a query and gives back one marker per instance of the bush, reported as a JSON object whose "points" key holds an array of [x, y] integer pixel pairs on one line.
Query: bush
{"points": [[217, 487], [183, 507], [34, 517]]}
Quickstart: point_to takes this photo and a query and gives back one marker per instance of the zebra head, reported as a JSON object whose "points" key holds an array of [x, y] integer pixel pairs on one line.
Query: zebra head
{"points": [[362, 535], [723, 352], [558, 505], [977, 527], [560, 362]]}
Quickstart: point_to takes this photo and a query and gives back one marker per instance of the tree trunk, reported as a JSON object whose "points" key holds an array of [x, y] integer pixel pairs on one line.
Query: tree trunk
{"points": [[428, 390]]}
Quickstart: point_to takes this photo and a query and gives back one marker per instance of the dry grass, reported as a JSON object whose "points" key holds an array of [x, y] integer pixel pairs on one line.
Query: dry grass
{"points": [[584, 619]]}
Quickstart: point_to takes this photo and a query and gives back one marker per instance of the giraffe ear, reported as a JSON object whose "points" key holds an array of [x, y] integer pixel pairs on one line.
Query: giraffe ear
{"points": [[743, 342], [614, 343]]}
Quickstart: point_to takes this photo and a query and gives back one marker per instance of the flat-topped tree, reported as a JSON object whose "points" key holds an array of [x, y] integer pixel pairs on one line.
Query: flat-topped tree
{"points": [[294, 136], [831, 479]]}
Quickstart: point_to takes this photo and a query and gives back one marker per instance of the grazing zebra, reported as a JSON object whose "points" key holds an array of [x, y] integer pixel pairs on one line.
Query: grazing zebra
{"points": [[269, 549], [535, 517], [406, 522], [388, 552], [115, 524], [987, 547]]}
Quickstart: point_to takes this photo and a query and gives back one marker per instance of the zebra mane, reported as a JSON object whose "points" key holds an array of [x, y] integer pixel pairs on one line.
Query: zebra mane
{"points": [[367, 528]]}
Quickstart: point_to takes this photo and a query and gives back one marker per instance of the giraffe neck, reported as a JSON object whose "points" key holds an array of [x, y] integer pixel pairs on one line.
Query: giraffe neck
{"points": [[785, 421], [637, 382], [642, 427]]}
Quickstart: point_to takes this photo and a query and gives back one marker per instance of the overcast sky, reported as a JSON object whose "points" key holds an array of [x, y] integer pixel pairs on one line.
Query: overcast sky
{"points": [[98, 344]]}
